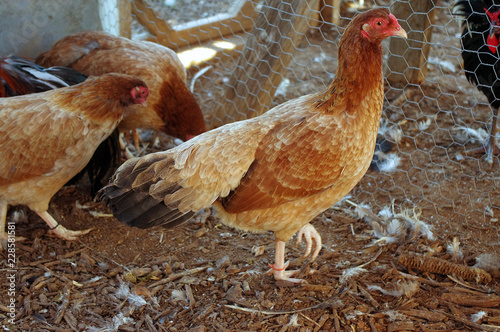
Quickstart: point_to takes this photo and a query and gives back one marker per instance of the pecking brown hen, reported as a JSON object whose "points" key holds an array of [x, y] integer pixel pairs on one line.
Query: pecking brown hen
{"points": [[277, 171], [48, 137], [171, 107]]}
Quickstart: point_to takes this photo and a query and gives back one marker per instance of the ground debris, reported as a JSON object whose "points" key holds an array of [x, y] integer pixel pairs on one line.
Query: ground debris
{"points": [[441, 266]]}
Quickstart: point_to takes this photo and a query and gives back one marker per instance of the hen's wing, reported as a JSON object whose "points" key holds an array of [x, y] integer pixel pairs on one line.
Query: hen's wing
{"points": [[35, 116]]}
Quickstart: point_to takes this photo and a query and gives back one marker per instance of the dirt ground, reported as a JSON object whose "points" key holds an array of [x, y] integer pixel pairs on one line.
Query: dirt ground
{"points": [[416, 249]]}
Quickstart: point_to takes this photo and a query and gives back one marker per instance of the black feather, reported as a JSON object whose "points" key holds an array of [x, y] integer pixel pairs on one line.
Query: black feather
{"points": [[137, 208], [482, 67]]}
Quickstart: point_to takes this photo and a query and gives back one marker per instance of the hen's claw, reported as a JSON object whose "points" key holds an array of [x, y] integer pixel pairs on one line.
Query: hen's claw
{"points": [[309, 233], [60, 230]]}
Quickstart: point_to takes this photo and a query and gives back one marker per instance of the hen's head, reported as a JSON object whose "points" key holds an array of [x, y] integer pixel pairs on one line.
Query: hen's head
{"points": [[494, 34], [139, 95], [378, 24]]}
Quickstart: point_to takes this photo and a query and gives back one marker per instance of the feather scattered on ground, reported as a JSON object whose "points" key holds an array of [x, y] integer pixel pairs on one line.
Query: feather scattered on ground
{"points": [[464, 134], [390, 227], [477, 317], [406, 288]]}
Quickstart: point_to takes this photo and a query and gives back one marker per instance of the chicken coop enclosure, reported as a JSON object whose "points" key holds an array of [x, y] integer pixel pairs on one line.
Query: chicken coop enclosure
{"points": [[424, 195]]}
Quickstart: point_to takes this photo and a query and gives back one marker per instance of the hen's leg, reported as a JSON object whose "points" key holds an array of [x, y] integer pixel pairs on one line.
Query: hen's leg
{"points": [[280, 266], [492, 148], [3, 234], [309, 233], [59, 229], [3, 217], [137, 140]]}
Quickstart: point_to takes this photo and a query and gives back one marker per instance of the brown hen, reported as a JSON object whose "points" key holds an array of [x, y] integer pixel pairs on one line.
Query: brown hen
{"points": [[48, 137], [171, 107], [277, 171]]}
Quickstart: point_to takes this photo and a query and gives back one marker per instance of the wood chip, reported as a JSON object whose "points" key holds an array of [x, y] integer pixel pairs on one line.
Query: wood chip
{"points": [[190, 296], [425, 314], [481, 301], [65, 303], [175, 276]]}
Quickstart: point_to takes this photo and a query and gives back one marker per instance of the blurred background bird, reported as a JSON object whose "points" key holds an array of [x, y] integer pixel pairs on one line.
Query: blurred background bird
{"points": [[481, 58], [171, 108], [46, 138]]}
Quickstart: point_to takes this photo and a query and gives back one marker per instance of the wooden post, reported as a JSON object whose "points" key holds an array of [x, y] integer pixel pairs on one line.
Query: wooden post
{"points": [[115, 17], [239, 18], [329, 11], [278, 30], [408, 57]]}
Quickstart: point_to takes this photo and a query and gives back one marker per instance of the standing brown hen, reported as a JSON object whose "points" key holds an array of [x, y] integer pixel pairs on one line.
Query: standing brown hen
{"points": [[171, 107], [48, 137], [277, 171]]}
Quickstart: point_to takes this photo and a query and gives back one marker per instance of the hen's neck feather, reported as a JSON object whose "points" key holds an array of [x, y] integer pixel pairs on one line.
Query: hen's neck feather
{"points": [[359, 71]]}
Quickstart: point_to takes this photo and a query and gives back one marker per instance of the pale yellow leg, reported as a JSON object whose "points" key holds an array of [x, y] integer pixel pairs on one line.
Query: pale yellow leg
{"points": [[309, 233], [59, 229], [279, 267], [3, 222]]}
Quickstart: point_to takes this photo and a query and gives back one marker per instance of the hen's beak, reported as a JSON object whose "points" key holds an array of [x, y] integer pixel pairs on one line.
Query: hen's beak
{"points": [[400, 32]]}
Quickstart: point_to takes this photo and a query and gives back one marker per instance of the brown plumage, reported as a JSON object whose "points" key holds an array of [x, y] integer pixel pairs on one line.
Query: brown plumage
{"points": [[275, 172], [171, 107], [20, 76], [46, 138]]}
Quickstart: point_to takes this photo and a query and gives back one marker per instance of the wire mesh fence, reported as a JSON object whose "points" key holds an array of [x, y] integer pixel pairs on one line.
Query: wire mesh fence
{"points": [[432, 114]]}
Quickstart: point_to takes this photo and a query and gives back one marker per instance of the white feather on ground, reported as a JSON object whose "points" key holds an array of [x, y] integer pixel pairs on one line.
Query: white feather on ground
{"points": [[390, 227], [406, 288], [124, 293], [464, 134], [488, 262], [349, 273]]}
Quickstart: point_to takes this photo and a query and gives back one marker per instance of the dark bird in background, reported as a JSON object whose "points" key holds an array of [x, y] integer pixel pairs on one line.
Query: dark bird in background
{"points": [[275, 172], [481, 58], [46, 138], [171, 107], [20, 76]]}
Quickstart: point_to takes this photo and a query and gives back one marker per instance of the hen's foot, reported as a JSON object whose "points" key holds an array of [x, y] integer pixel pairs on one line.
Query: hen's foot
{"points": [[487, 150], [67, 234], [284, 278], [59, 229], [309, 233], [278, 269]]}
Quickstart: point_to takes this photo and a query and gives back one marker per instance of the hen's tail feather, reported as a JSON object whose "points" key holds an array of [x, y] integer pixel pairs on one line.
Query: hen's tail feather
{"points": [[139, 209], [102, 165]]}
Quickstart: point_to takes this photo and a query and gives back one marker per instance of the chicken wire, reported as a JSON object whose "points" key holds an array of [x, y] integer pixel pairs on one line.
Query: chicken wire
{"points": [[430, 124]]}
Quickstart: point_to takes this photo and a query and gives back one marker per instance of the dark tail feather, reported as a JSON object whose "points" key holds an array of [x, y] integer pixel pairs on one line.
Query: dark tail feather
{"points": [[102, 164], [139, 209], [19, 76]]}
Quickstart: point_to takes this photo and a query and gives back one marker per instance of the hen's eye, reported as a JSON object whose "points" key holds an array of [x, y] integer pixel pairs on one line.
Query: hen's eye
{"points": [[379, 23]]}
